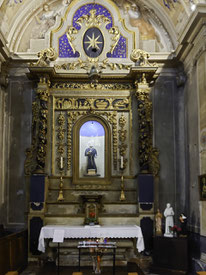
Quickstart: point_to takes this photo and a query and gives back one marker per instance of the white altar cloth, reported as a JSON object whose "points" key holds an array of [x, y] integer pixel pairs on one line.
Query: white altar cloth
{"points": [[87, 232]]}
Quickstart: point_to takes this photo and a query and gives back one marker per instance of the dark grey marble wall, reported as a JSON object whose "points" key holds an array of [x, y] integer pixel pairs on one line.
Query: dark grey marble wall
{"points": [[17, 139], [169, 138], [191, 117]]}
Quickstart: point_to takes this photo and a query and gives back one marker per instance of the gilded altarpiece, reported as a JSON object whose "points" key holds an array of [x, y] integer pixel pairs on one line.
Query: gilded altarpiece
{"points": [[70, 113], [92, 122]]}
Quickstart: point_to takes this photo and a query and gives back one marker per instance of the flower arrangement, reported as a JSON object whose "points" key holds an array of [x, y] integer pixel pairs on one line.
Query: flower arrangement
{"points": [[175, 229]]}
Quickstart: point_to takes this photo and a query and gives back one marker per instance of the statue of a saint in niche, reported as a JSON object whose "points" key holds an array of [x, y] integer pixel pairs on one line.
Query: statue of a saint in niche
{"points": [[91, 154]]}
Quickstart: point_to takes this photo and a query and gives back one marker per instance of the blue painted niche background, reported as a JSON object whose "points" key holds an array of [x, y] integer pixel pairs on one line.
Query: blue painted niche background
{"points": [[92, 133]]}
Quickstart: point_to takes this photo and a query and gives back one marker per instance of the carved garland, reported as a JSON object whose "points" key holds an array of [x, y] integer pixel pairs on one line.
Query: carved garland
{"points": [[43, 95], [112, 118], [122, 139], [61, 137], [148, 155]]}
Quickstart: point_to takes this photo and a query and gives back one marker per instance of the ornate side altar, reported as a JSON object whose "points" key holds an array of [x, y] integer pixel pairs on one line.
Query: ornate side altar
{"points": [[92, 128], [91, 232]]}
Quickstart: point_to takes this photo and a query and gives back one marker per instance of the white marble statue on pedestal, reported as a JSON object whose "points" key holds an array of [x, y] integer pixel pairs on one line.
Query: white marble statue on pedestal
{"points": [[169, 220]]}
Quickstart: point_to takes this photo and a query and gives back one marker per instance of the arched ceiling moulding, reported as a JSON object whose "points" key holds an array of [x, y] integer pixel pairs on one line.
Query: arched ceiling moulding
{"points": [[27, 10], [160, 12]]}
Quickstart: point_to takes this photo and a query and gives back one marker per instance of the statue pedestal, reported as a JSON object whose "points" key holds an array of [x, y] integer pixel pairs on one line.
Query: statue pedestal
{"points": [[168, 235], [170, 254]]}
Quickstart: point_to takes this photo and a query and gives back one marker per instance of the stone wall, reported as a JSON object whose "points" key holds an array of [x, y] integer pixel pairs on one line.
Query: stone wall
{"points": [[16, 138], [168, 109]]}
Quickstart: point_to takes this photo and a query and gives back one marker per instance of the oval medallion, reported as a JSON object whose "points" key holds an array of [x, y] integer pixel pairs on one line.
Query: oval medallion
{"points": [[93, 42]]}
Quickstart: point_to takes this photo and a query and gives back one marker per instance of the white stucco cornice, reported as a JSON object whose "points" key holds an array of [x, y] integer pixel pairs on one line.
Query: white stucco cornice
{"points": [[4, 51], [187, 38]]}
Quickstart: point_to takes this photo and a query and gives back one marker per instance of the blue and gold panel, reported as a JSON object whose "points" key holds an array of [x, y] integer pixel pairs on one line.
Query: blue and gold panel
{"points": [[120, 49], [85, 10], [65, 49]]}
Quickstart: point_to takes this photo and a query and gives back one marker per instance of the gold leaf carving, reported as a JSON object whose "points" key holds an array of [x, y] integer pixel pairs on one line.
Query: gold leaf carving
{"points": [[116, 36], [93, 20], [148, 156], [45, 57], [122, 139], [86, 65], [140, 58], [70, 37]]}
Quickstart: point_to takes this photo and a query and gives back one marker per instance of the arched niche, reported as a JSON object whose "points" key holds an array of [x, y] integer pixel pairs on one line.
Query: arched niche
{"points": [[91, 151]]}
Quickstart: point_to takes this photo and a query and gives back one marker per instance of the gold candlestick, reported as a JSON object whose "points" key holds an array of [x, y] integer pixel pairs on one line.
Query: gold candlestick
{"points": [[60, 197], [61, 167], [122, 195]]}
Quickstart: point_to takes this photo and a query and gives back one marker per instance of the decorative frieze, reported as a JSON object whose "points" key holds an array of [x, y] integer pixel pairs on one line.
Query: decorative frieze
{"points": [[87, 86], [112, 103]]}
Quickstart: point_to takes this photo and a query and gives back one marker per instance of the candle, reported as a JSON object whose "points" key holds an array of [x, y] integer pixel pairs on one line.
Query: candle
{"points": [[61, 162], [121, 162]]}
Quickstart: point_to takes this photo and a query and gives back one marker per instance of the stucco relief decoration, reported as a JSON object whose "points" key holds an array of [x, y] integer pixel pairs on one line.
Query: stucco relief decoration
{"points": [[47, 19], [13, 2], [137, 19], [171, 3], [93, 15]]}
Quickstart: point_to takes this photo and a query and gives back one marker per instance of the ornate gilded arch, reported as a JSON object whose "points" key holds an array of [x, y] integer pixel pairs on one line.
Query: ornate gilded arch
{"points": [[80, 147]]}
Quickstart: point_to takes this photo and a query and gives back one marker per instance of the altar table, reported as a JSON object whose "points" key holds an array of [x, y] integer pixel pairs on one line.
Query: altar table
{"points": [[88, 232]]}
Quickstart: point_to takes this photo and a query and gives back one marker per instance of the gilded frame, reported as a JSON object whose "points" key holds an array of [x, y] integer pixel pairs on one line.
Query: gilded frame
{"points": [[107, 152], [202, 187]]}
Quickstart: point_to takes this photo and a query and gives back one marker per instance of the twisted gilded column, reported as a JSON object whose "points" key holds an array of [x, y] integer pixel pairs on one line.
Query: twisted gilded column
{"points": [[41, 135], [144, 72], [144, 106]]}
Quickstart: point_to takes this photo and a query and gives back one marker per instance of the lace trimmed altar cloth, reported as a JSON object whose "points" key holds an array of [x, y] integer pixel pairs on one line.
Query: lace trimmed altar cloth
{"points": [[88, 232]]}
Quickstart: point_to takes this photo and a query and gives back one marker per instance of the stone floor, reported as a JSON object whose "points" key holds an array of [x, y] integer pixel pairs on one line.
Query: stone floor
{"points": [[51, 269]]}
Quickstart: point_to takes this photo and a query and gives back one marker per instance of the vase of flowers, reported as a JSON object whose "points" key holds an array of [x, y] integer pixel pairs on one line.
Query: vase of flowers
{"points": [[175, 230]]}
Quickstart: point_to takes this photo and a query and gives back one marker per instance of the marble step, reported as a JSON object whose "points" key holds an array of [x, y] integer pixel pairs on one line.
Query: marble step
{"points": [[130, 183], [107, 196]]}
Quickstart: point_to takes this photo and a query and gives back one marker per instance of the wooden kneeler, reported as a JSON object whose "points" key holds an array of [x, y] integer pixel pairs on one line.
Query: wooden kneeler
{"points": [[201, 273], [12, 273], [77, 273]]}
